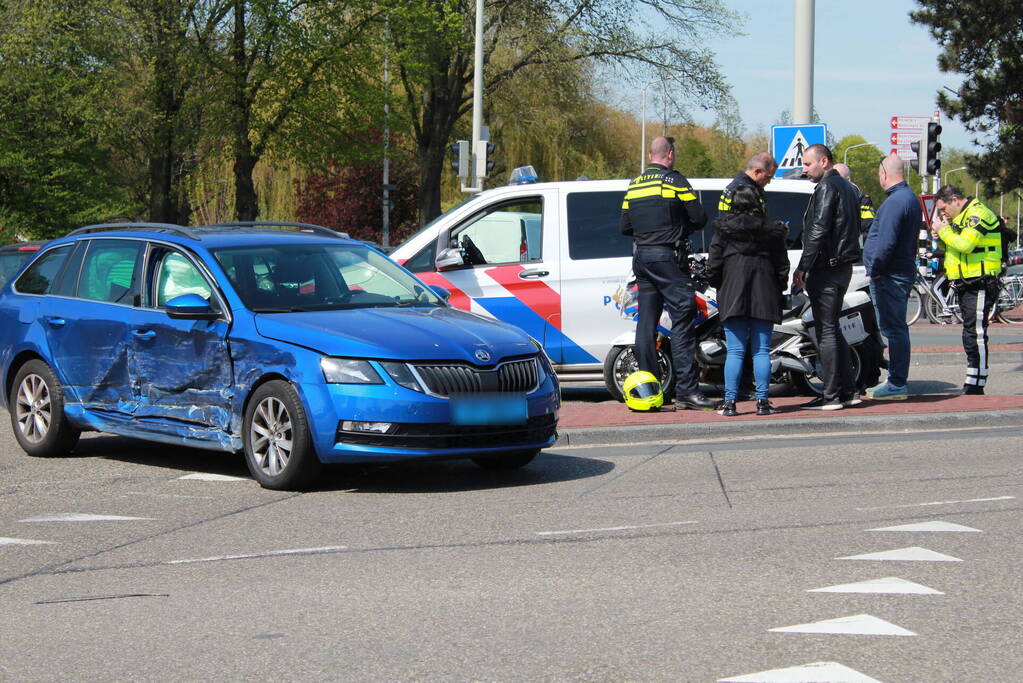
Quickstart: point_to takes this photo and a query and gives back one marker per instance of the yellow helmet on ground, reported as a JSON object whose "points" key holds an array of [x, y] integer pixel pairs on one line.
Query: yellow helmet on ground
{"points": [[642, 391]]}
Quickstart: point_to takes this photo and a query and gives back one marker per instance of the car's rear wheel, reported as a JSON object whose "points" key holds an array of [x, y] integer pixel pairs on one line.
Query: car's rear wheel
{"points": [[278, 447], [508, 461], [37, 412]]}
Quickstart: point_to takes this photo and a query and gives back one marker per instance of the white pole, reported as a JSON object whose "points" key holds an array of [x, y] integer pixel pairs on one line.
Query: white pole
{"points": [[802, 93], [477, 92]]}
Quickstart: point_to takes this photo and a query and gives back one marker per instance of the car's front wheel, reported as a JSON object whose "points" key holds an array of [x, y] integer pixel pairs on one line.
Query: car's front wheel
{"points": [[278, 447], [37, 412], [509, 461]]}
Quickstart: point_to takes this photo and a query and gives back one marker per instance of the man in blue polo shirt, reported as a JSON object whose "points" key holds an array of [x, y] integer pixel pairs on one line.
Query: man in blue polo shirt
{"points": [[889, 256]]}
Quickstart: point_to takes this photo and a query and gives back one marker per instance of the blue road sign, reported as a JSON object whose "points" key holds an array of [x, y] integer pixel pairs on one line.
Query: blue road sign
{"points": [[789, 142]]}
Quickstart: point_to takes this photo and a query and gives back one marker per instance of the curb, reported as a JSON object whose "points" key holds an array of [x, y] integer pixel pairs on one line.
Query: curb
{"points": [[680, 431]]}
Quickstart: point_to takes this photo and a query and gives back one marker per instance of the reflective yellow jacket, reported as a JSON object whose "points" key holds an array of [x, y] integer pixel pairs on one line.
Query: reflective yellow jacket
{"points": [[973, 243]]}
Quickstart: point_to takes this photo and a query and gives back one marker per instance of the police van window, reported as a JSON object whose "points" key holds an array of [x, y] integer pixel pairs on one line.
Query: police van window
{"points": [[593, 226], [41, 274], [509, 233], [789, 207], [701, 239]]}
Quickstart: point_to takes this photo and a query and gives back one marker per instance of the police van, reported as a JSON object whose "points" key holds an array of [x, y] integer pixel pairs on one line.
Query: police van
{"points": [[549, 258]]}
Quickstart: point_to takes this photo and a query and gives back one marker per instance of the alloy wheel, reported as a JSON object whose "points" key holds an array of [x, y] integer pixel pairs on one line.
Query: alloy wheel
{"points": [[33, 411], [271, 436]]}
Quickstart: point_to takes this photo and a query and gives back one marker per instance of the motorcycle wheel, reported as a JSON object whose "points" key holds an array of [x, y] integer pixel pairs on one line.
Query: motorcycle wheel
{"points": [[621, 362], [866, 361]]}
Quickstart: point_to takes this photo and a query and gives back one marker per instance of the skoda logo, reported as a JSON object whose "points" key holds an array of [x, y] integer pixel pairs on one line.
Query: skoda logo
{"points": [[482, 355]]}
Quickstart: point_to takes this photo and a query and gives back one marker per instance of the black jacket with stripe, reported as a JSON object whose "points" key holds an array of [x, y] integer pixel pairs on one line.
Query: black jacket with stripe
{"points": [[660, 209]]}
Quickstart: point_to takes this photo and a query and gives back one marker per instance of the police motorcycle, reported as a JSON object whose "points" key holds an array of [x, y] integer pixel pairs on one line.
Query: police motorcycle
{"points": [[795, 358]]}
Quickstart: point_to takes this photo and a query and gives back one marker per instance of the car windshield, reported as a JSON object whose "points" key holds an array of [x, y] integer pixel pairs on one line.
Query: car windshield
{"points": [[318, 277]]}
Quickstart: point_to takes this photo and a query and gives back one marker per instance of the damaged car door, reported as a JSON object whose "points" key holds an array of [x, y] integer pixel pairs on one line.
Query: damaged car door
{"points": [[178, 359]]}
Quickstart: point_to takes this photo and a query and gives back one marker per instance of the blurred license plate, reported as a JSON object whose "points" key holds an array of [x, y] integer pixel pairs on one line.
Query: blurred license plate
{"points": [[488, 409]]}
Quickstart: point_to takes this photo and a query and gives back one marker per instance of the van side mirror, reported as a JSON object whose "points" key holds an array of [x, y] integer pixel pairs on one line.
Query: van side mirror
{"points": [[449, 259], [190, 307]]}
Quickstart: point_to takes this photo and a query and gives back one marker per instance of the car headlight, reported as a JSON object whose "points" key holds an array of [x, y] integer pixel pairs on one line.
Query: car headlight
{"points": [[402, 374], [541, 356], [349, 371]]}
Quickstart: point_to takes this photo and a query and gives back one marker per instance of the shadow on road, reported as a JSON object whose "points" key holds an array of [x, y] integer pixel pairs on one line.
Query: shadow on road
{"points": [[434, 476]]}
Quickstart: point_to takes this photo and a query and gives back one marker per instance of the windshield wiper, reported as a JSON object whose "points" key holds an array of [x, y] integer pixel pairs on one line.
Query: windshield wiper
{"points": [[296, 309]]}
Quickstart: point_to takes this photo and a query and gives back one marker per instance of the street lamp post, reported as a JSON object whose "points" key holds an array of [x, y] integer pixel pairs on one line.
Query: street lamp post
{"points": [[948, 173], [845, 157], [642, 142]]}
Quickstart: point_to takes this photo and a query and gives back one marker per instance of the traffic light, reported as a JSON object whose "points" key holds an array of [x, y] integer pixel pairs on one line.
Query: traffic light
{"points": [[927, 148], [460, 158], [484, 158]]}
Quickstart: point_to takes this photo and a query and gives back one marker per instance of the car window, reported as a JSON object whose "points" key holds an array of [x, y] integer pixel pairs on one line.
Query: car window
{"points": [[176, 276], [109, 271], [39, 276], [510, 233], [594, 231], [307, 277], [787, 207]]}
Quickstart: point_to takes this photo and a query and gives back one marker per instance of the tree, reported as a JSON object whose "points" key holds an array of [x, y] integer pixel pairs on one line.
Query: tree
{"points": [[55, 171], [274, 61], [985, 44], [433, 47], [863, 163]]}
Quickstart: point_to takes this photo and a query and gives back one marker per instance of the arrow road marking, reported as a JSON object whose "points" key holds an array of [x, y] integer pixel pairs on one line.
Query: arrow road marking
{"points": [[83, 517], [856, 625], [816, 672], [912, 554], [889, 584], [929, 526], [21, 541]]}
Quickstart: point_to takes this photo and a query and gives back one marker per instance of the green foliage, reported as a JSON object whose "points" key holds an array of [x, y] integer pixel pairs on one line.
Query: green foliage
{"points": [[984, 42], [863, 163], [54, 166]]}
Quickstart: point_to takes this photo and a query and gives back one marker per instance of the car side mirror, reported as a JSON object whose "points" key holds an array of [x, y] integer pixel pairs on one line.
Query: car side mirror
{"points": [[190, 307], [441, 292], [449, 259]]}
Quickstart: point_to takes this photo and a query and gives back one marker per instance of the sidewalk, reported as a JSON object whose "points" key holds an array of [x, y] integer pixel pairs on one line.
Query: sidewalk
{"points": [[590, 417]]}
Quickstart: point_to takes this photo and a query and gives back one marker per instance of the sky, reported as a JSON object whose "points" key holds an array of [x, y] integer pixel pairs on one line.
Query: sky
{"points": [[870, 63]]}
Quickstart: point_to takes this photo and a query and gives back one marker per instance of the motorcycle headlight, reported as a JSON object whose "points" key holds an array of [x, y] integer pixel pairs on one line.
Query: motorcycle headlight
{"points": [[349, 371]]}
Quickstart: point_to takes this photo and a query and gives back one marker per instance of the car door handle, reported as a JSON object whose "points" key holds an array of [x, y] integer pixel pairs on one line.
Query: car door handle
{"points": [[144, 335], [527, 274], [56, 322]]}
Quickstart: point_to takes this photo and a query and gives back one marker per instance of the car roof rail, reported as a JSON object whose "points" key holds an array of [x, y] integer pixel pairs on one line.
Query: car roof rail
{"points": [[162, 227], [318, 229]]}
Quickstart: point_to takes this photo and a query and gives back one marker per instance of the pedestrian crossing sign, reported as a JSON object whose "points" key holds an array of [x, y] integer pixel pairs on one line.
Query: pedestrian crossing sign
{"points": [[789, 142]]}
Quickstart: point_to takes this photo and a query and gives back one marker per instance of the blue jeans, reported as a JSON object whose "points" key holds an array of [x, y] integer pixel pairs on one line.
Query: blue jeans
{"points": [[890, 294], [740, 334]]}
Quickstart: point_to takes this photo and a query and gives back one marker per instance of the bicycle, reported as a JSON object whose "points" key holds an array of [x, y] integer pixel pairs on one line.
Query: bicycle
{"points": [[933, 297], [1009, 305]]}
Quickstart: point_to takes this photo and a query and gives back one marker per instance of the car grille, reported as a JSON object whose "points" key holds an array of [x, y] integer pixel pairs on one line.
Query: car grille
{"points": [[538, 429], [518, 376]]}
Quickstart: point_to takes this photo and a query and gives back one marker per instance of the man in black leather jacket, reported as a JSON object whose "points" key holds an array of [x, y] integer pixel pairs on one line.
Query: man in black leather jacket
{"points": [[831, 231]]}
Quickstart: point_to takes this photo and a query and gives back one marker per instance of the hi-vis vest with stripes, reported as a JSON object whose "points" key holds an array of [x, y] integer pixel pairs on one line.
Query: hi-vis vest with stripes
{"points": [[650, 198], [973, 243]]}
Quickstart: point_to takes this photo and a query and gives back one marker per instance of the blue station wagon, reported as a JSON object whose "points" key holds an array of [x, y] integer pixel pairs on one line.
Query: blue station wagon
{"points": [[291, 343]]}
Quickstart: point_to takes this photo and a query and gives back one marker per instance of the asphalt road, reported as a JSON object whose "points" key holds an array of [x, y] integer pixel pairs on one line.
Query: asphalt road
{"points": [[646, 563]]}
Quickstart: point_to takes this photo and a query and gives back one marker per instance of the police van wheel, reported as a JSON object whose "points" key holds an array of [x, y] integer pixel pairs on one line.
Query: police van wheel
{"points": [[621, 362]]}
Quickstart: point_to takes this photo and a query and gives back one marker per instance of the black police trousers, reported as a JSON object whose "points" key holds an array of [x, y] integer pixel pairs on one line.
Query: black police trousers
{"points": [[826, 287], [662, 281], [975, 302]]}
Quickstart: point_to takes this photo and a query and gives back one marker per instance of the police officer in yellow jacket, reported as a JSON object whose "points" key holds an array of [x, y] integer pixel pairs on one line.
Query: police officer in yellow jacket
{"points": [[973, 259], [659, 211]]}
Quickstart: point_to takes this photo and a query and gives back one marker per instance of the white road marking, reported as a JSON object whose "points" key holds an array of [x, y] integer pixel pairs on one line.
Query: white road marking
{"points": [[209, 476], [942, 502], [911, 554], [889, 584], [929, 526], [84, 517], [816, 672], [856, 625], [21, 541], [610, 528], [269, 553]]}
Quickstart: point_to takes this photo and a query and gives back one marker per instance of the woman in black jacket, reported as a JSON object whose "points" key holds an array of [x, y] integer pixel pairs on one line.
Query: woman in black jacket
{"points": [[749, 268]]}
